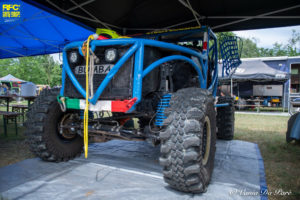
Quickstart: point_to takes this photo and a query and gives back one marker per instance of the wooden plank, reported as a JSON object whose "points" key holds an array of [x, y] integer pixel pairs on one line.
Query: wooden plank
{"points": [[9, 114]]}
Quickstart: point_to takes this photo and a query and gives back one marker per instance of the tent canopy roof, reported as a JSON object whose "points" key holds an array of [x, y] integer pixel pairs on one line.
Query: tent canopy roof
{"points": [[139, 16], [47, 26], [40, 32], [11, 78], [254, 70]]}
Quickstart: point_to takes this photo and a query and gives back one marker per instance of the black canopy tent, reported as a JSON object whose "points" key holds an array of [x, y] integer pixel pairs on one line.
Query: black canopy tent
{"points": [[250, 73], [254, 70], [140, 16]]}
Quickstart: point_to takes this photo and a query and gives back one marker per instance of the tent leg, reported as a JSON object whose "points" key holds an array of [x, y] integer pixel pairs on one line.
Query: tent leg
{"points": [[238, 90], [231, 92], [283, 99]]}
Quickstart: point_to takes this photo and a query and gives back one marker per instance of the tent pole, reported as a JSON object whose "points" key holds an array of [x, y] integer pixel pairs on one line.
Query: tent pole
{"points": [[260, 15], [283, 99], [187, 4], [92, 16], [80, 5], [231, 17], [238, 85], [231, 92]]}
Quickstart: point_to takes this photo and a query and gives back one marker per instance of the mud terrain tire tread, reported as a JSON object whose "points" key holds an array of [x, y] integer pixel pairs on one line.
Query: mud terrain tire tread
{"points": [[181, 147], [41, 131]]}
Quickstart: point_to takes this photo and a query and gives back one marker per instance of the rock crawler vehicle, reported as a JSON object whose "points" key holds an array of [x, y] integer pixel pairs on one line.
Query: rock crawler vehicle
{"points": [[159, 87]]}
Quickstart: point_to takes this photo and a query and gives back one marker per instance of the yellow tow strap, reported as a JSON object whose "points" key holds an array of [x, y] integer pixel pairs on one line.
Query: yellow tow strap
{"points": [[86, 51], [86, 110]]}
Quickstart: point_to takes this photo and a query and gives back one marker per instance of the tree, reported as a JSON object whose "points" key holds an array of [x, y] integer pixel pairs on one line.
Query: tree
{"points": [[250, 48], [36, 69], [293, 46]]}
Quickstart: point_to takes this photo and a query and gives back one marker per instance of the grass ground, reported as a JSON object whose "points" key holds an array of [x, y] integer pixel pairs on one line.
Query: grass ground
{"points": [[282, 160]]}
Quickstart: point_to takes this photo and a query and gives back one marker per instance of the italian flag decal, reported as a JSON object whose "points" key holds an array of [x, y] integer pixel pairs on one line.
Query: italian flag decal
{"points": [[112, 106]]}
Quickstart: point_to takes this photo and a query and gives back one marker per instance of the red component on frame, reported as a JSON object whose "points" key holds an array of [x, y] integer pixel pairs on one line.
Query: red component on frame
{"points": [[102, 38], [204, 45], [122, 106], [123, 121]]}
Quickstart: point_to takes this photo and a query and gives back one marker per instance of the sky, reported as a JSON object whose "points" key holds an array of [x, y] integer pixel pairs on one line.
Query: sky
{"points": [[267, 37], [57, 57]]}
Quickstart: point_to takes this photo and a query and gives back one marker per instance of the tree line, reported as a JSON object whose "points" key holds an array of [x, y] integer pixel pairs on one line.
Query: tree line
{"points": [[37, 69], [251, 50]]}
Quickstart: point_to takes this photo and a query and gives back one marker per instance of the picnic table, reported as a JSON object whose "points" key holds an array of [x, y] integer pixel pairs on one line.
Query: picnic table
{"points": [[7, 98], [20, 109], [257, 103], [10, 97], [29, 99], [6, 117]]}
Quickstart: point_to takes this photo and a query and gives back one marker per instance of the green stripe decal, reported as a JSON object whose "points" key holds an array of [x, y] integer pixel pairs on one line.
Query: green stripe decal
{"points": [[72, 103]]}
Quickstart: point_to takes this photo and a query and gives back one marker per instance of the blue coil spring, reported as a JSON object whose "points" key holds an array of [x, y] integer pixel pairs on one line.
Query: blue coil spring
{"points": [[162, 105]]}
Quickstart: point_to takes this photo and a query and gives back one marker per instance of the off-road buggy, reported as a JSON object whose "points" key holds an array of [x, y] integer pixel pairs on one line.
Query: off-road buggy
{"points": [[159, 87]]}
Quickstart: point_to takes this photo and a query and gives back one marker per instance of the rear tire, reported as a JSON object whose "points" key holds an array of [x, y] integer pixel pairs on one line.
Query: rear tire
{"points": [[189, 140], [42, 131], [225, 119], [290, 126]]}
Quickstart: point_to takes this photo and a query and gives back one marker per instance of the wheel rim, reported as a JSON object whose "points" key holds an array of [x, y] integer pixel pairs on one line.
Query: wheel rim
{"points": [[206, 137], [66, 134]]}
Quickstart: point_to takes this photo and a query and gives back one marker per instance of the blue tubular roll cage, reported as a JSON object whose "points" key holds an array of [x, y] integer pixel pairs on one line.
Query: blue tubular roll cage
{"points": [[137, 48]]}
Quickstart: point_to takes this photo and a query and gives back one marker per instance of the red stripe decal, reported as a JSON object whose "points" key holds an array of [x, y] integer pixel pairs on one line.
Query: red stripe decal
{"points": [[122, 106]]}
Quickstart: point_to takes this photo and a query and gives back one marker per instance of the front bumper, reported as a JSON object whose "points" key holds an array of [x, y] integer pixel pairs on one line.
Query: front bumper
{"points": [[111, 106]]}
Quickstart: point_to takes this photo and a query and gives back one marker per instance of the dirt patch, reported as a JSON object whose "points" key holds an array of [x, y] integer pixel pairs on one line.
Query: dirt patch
{"points": [[12, 151]]}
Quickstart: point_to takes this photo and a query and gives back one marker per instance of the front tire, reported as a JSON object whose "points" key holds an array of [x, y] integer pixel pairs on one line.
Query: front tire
{"points": [[42, 130], [189, 140]]}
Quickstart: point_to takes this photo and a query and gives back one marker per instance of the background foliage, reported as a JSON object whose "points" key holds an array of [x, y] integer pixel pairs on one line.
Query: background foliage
{"points": [[37, 69], [251, 50]]}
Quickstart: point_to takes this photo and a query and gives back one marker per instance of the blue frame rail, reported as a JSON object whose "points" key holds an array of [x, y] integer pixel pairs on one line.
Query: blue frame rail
{"points": [[137, 49]]}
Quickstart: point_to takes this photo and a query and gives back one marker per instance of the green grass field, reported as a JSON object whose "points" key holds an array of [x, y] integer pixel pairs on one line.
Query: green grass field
{"points": [[282, 160]]}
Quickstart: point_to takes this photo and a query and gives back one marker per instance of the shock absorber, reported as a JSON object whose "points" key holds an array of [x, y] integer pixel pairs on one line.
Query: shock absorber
{"points": [[162, 105]]}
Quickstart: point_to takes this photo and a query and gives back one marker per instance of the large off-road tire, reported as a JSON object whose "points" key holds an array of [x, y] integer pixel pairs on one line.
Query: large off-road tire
{"points": [[42, 132], [290, 126], [225, 118], [188, 140]]}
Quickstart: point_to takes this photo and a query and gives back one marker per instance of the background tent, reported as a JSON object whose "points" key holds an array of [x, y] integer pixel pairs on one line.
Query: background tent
{"points": [[254, 70], [11, 78], [39, 32], [12, 83], [255, 73]]}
